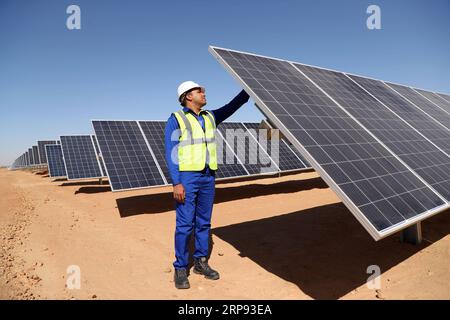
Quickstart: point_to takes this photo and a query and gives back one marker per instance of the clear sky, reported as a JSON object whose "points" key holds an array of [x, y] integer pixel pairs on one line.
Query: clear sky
{"points": [[129, 56]]}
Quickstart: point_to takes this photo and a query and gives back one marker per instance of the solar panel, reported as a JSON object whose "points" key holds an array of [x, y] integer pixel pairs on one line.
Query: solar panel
{"points": [[423, 104], [36, 155], [436, 100], [27, 159], [56, 167], [378, 188], [246, 148], [154, 133], [281, 154], [128, 160], [30, 156], [417, 152], [413, 116], [100, 159], [41, 148], [80, 157], [444, 96]]}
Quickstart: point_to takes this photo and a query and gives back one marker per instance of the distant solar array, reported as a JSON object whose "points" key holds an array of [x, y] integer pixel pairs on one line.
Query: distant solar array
{"points": [[134, 155], [383, 148]]}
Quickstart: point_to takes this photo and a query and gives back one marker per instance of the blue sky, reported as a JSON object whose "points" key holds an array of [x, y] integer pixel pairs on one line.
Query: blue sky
{"points": [[129, 56]]}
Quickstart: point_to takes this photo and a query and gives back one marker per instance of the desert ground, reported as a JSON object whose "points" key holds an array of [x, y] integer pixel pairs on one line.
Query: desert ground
{"points": [[285, 237]]}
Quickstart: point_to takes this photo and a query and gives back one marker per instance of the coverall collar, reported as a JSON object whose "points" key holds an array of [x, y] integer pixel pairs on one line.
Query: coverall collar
{"points": [[186, 109]]}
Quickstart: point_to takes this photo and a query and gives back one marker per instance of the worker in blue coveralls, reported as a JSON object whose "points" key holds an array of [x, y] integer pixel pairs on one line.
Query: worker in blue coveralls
{"points": [[191, 156]]}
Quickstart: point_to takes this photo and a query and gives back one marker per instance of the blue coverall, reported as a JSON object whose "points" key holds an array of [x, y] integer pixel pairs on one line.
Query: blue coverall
{"points": [[199, 188]]}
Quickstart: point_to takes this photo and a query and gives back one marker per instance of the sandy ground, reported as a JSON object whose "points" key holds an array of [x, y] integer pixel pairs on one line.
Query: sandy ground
{"points": [[273, 238]]}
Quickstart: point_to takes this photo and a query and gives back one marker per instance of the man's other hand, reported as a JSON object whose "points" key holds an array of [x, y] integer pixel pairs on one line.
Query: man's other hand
{"points": [[178, 193]]}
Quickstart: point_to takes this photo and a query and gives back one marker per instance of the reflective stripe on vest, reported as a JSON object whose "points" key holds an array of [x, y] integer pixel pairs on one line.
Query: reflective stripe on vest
{"points": [[194, 142]]}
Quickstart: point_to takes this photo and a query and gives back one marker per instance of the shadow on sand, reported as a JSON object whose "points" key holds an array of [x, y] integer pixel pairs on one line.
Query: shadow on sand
{"points": [[163, 202], [91, 190], [323, 250]]}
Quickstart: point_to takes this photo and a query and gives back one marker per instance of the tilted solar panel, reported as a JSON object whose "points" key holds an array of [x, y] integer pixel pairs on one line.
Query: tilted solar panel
{"points": [[439, 115], [80, 157], [41, 148], [378, 188], [36, 155], [128, 160], [56, 166]]}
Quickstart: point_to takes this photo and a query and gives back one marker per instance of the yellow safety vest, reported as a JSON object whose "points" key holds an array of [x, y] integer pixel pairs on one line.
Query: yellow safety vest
{"points": [[194, 142]]}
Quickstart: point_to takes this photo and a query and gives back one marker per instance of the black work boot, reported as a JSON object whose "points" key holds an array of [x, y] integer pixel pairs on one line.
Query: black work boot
{"points": [[201, 267], [180, 278]]}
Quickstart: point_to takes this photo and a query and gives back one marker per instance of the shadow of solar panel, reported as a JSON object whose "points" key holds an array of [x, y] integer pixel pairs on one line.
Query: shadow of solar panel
{"points": [[379, 189], [56, 167], [128, 160], [80, 157]]}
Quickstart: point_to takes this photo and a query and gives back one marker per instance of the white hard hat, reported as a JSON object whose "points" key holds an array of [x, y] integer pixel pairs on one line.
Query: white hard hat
{"points": [[186, 86]]}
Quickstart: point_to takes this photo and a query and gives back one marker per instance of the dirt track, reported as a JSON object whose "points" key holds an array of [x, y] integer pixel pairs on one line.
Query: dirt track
{"points": [[273, 238]]}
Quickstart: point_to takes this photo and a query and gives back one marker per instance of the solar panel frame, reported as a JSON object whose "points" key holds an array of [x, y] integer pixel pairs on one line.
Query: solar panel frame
{"points": [[377, 235], [56, 166], [74, 170], [99, 158]]}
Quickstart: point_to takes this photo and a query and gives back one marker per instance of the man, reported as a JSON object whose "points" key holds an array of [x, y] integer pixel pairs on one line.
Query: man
{"points": [[192, 161]]}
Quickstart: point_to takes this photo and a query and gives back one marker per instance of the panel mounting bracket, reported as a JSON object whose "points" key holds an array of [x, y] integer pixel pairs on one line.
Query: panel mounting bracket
{"points": [[412, 234]]}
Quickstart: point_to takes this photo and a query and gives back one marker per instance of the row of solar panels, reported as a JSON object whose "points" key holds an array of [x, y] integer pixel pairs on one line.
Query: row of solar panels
{"points": [[382, 147], [132, 154], [34, 156]]}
